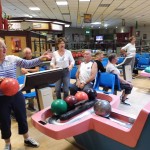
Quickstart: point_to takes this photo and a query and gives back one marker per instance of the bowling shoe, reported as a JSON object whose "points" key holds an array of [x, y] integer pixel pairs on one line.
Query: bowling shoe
{"points": [[31, 142]]}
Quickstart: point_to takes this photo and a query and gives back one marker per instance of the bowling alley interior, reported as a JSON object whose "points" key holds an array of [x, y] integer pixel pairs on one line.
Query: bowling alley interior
{"points": [[87, 84]]}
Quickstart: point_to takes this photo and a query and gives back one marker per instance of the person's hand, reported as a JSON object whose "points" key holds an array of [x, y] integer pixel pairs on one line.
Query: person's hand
{"points": [[82, 85], [1, 79], [24, 71], [70, 68], [46, 56], [78, 83]]}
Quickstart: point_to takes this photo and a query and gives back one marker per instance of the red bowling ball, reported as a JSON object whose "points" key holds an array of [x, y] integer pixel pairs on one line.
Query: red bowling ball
{"points": [[81, 96], [9, 86], [71, 100]]}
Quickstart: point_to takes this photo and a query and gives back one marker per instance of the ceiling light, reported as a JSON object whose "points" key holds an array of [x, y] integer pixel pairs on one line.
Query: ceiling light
{"points": [[67, 25], [37, 20], [34, 8], [58, 22], [96, 23], [62, 3], [84, 0]]}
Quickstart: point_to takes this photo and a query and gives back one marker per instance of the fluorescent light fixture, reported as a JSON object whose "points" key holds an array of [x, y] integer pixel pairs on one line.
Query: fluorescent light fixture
{"points": [[26, 15], [106, 25], [96, 23], [67, 25], [84, 0], [57, 22], [62, 3], [34, 8], [37, 20]]}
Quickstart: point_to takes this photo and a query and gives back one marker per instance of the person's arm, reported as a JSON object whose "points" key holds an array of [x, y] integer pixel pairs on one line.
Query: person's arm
{"points": [[36, 69], [77, 77], [93, 73], [101, 67], [53, 62], [123, 50], [72, 62]]}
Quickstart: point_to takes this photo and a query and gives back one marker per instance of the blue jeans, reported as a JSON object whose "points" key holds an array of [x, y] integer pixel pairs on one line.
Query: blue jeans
{"points": [[74, 88], [65, 82]]}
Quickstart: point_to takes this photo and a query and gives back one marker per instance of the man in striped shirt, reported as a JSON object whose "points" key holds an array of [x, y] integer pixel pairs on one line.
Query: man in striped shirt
{"points": [[8, 65]]}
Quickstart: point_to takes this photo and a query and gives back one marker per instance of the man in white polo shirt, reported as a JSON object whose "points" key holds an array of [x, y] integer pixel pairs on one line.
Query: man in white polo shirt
{"points": [[85, 75]]}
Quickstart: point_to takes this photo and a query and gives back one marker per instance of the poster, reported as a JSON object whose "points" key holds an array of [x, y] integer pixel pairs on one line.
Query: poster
{"points": [[144, 36], [16, 44]]}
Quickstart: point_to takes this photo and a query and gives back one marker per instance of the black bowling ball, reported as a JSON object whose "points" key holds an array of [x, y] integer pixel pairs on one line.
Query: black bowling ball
{"points": [[91, 94]]}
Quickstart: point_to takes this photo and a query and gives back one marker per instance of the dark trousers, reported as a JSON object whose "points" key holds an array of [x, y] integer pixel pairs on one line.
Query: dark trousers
{"points": [[126, 87], [74, 88], [17, 104]]}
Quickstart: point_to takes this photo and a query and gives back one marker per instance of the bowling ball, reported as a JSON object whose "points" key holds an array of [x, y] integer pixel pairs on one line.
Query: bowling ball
{"points": [[81, 96], [59, 106], [102, 108], [71, 100], [91, 94], [9, 86], [147, 69]]}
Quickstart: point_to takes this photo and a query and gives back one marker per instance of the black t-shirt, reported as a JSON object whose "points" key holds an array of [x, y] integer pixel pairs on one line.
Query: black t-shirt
{"points": [[100, 66]]}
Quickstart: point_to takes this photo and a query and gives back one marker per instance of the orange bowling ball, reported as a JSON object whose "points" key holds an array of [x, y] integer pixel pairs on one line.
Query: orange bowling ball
{"points": [[9, 86], [81, 96]]}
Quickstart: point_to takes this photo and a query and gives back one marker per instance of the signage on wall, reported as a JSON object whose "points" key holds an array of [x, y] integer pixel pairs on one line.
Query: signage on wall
{"points": [[87, 18], [40, 26], [56, 27]]}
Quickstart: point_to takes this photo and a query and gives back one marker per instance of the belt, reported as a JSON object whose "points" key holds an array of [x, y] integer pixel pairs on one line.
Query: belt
{"points": [[65, 68]]}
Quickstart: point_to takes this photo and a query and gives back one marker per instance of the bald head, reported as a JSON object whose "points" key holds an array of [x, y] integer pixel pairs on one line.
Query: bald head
{"points": [[27, 53]]}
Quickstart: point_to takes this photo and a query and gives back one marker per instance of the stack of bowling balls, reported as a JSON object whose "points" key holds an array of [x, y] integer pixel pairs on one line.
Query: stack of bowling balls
{"points": [[59, 106], [102, 108], [9, 86]]}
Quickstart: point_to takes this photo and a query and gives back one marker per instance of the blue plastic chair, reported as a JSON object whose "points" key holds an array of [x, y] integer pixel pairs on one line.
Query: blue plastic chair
{"points": [[26, 95], [120, 60], [143, 63], [105, 61], [106, 80], [73, 72]]}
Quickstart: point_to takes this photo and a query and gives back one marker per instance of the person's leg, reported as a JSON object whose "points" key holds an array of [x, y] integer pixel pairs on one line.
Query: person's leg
{"points": [[20, 113], [73, 89], [58, 88], [5, 120], [66, 83], [127, 90], [87, 86]]}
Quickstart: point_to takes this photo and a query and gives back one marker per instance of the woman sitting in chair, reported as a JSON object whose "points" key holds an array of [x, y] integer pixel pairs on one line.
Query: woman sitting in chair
{"points": [[125, 85]]}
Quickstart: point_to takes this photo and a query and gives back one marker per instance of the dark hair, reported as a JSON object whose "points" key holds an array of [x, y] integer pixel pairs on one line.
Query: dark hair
{"points": [[111, 57], [60, 39], [131, 38]]}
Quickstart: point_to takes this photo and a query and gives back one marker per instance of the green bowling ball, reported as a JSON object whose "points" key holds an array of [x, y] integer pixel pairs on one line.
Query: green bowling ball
{"points": [[147, 69], [59, 106]]}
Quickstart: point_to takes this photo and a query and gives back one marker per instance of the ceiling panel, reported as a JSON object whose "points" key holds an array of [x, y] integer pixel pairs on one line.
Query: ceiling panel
{"points": [[132, 10]]}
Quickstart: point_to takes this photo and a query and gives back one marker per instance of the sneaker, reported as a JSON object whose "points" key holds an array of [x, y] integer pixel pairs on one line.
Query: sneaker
{"points": [[7, 147], [31, 109], [31, 143]]}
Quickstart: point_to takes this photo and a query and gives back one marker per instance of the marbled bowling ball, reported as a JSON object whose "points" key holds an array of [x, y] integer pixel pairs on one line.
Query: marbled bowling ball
{"points": [[81, 96], [9, 86], [71, 100], [102, 108], [91, 94], [59, 106]]}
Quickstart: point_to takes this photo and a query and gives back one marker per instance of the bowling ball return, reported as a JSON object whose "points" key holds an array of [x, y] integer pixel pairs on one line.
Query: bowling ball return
{"points": [[93, 132], [145, 74]]}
